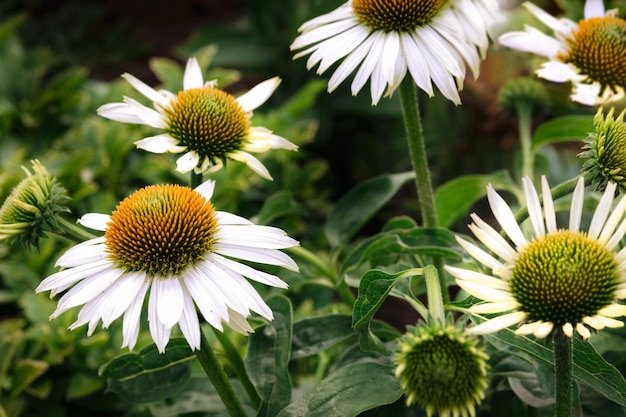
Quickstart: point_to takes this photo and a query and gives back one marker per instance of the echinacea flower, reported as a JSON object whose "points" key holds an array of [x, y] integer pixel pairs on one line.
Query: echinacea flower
{"points": [[589, 53], [33, 207], [605, 150], [204, 123], [433, 40], [168, 240], [556, 280], [441, 369]]}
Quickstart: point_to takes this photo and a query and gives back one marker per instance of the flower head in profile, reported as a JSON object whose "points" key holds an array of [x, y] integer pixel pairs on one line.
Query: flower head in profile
{"points": [[605, 150], [383, 39], [169, 241], [32, 208], [555, 281], [205, 124], [441, 369], [589, 53]]}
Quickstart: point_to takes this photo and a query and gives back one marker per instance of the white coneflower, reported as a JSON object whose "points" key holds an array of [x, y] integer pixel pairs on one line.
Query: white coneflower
{"points": [[205, 124], [168, 240], [557, 280], [591, 53], [433, 40]]}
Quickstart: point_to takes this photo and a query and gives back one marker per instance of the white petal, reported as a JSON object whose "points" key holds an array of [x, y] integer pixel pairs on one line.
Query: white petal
{"points": [[576, 209], [130, 327], [546, 18], [602, 211], [614, 219], [160, 334], [613, 310], [265, 256], [187, 162], [416, 62], [193, 75], [350, 63], [168, 299], [189, 324], [249, 272], [86, 290], [120, 112], [258, 94], [483, 292], [583, 331], [252, 162], [534, 207], [559, 72], [228, 218], [478, 278], [532, 40], [372, 58], [497, 307], [238, 323], [160, 144], [95, 221], [594, 8], [255, 236], [568, 329], [147, 115], [479, 254], [492, 239], [498, 323], [85, 253], [62, 280], [208, 297], [505, 217], [548, 206], [145, 89], [206, 189]]}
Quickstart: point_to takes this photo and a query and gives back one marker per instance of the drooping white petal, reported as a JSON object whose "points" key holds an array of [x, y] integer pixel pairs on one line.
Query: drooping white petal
{"points": [[62, 280], [559, 72], [238, 322], [496, 307], [252, 162], [189, 324], [483, 291], [168, 299], [265, 256], [548, 206], [207, 297], [120, 112], [84, 254], [160, 144], [255, 236], [479, 254], [478, 278], [249, 272], [531, 40], [145, 89], [498, 323], [583, 331], [206, 189], [613, 221], [492, 239], [187, 162], [546, 18], [147, 115], [160, 333]]}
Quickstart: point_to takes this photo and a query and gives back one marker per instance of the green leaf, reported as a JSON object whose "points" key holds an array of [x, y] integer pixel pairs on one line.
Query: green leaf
{"points": [[349, 391], [149, 375], [455, 198], [589, 367], [563, 129], [267, 358], [313, 335], [169, 73], [82, 384], [373, 290], [25, 372], [418, 240], [278, 205], [359, 205]]}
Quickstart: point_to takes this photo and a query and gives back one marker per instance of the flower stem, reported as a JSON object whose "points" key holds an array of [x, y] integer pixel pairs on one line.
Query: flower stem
{"points": [[218, 378], [237, 363], [419, 160], [73, 231], [524, 120], [433, 292], [417, 149], [195, 179], [563, 375]]}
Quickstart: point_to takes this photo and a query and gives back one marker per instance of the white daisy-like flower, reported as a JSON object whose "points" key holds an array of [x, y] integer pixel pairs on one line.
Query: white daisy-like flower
{"points": [[204, 123], [556, 280], [433, 40], [169, 241], [590, 54]]}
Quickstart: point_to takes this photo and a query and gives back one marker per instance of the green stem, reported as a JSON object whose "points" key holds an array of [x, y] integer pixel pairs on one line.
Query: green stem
{"points": [[195, 179], [558, 191], [524, 121], [563, 358], [73, 231], [434, 295], [237, 363], [218, 378], [417, 150]]}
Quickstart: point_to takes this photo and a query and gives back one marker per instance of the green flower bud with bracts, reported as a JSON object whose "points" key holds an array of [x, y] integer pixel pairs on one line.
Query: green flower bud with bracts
{"points": [[523, 91], [441, 369], [605, 150], [32, 208]]}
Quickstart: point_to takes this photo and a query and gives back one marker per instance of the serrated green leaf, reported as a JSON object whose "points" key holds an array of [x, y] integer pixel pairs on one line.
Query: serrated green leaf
{"points": [[589, 367], [373, 290], [563, 129], [148, 375], [359, 205], [349, 391], [455, 198], [313, 335], [267, 358]]}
